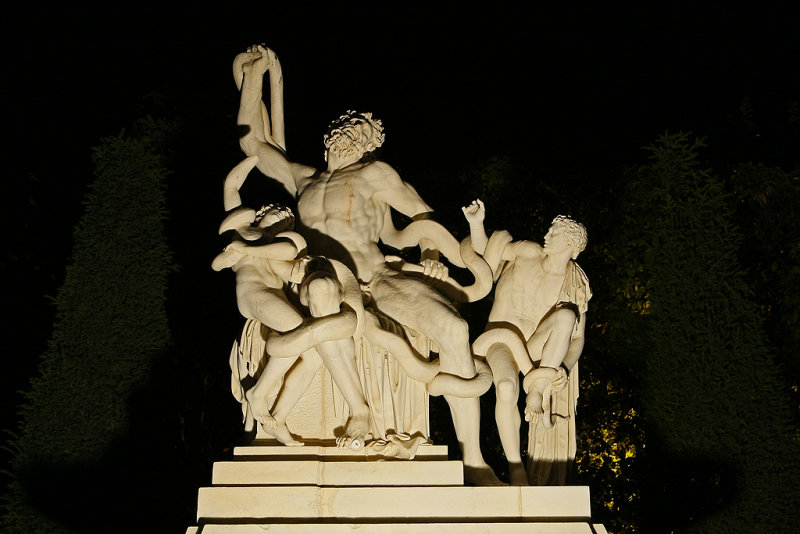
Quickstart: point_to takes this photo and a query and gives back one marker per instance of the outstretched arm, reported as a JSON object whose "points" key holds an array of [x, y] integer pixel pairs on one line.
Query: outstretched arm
{"points": [[281, 250], [405, 199], [392, 190], [263, 138]]}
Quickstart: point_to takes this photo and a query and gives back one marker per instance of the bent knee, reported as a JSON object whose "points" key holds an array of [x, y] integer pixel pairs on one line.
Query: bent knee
{"points": [[323, 295], [507, 390], [562, 321], [454, 328]]}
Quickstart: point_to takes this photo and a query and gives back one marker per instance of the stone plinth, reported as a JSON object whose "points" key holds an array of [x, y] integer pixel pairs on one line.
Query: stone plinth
{"points": [[321, 473], [323, 489]]}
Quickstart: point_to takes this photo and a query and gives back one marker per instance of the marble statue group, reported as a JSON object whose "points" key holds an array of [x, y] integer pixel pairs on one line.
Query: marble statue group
{"points": [[318, 291]]}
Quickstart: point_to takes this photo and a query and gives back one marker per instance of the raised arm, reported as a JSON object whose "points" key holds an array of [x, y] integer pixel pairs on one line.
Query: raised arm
{"points": [[475, 213], [260, 136]]}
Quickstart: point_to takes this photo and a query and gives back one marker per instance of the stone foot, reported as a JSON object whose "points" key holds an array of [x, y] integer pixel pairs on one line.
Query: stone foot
{"points": [[355, 433], [533, 404], [259, 409], [281, 432], [517, 474], [481, 475]]}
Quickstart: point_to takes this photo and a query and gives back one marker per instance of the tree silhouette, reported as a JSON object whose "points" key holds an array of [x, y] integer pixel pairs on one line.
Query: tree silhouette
{"points": [[110, 328], [721, 453]]}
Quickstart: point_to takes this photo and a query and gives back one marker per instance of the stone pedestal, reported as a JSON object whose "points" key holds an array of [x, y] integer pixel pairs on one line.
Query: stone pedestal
{"points": [[323, 489]]}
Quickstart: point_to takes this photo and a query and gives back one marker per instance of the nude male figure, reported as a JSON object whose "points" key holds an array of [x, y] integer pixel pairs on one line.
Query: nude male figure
{"points": [[342, 210], [263, 266], [541, 296]]}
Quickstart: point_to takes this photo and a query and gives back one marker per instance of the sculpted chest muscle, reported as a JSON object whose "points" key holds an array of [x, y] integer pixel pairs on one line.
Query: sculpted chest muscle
{"points": [[340, 205], [526, 292]]}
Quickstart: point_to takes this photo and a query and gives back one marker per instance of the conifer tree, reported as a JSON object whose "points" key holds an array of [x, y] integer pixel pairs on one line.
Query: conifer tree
{"points": [[719, 419], [110, 327], [767, 204]]}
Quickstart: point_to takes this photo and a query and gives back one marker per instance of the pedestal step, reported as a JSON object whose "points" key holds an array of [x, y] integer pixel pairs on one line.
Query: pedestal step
{"points": [[405, 528], [322, 489], [310, 452], [397, 504], [341, 473]]}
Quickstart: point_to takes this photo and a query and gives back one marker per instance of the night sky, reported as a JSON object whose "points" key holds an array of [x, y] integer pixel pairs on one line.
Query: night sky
{"points": [[583, 88]]}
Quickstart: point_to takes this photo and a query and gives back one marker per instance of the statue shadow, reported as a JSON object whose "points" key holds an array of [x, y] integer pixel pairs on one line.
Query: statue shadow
{"points": [[146, 479], [681, 491]]}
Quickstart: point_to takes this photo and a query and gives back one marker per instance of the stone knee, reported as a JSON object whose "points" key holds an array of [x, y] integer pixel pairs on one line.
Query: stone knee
{"points": [[324, 296], [321, 291], [507, 390], [562, 322], [454, 328], [453, 341]]}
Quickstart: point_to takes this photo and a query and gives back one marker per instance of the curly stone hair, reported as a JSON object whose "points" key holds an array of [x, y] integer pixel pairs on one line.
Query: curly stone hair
{"points": [[577, 238], [354, 132]]}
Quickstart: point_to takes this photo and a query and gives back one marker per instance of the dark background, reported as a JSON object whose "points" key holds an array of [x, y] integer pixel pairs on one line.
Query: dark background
{"points": [[573, 89]]}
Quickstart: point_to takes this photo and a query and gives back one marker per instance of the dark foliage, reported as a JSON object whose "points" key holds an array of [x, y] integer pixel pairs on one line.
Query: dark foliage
{"points": [[85, 457], [721, 454]]}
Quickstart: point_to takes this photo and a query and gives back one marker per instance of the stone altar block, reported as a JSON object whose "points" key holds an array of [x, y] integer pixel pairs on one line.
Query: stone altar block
{"points": [[319, 414]]}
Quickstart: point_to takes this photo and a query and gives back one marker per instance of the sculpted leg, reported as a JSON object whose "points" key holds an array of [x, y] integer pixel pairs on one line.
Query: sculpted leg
{"points": [[325, 298], [549, 344], [260, 396], [559, 325], [418, 306], [506, 382], [340, 361], [268, 306], [296, 383], [466, 414]]}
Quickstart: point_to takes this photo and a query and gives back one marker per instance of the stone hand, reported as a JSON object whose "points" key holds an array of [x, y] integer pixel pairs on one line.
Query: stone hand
{"points": [[475, 212], [434, 269]]}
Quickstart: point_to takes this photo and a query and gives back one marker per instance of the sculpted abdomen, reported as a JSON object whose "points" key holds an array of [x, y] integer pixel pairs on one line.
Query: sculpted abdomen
{"points": [[340, 209], [524, 294]]}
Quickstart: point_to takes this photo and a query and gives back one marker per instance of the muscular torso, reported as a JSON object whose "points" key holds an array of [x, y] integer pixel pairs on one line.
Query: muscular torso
{"points": [[344, 216], [525, 293]]}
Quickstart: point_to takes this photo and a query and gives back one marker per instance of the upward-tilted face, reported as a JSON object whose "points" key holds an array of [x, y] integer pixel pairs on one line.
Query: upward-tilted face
{"points": [[351, 136], [556, 240], [565, 234], [342, 145]]}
